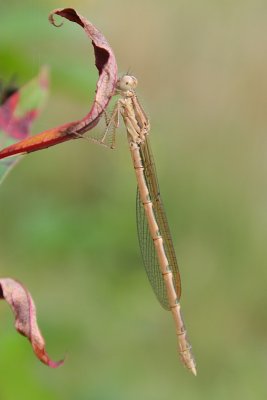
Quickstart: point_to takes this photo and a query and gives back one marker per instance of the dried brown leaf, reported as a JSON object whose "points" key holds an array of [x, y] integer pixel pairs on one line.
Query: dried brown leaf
{"points": [[22, 305], [108, 75]]}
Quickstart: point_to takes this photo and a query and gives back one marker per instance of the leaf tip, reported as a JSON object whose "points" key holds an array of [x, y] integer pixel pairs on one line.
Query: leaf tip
{"points": [[51, 19], [44, 76], [45, 359]]}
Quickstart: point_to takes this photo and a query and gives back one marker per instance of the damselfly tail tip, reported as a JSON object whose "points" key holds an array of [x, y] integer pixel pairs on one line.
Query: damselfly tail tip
{"points": [[194, 370]]}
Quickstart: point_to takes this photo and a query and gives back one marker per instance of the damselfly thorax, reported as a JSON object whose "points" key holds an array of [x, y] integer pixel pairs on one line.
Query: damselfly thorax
{"points": [[129, 108]]}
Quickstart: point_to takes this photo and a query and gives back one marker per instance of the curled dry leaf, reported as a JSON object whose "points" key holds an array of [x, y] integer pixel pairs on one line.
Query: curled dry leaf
{"points": [[108, 74], [18, 110], [20, 300]]}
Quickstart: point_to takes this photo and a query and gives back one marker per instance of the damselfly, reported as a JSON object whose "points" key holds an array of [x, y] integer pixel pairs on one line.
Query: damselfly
{"points": [[153, 231]]}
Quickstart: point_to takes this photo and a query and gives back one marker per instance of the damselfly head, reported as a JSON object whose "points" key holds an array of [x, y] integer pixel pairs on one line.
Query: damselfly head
{"points": [[127, 82]]}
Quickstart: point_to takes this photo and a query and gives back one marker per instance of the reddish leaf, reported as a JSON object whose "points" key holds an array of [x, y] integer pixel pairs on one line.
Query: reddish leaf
{"points": [[18, 110], [106, 64], [23, 308]]}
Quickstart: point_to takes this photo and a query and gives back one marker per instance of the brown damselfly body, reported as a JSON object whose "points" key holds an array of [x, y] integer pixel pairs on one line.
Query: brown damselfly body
{"points": [[153, 231]]}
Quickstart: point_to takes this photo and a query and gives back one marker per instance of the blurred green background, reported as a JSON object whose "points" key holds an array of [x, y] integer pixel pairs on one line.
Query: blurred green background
{"points": [[67, 222]]}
